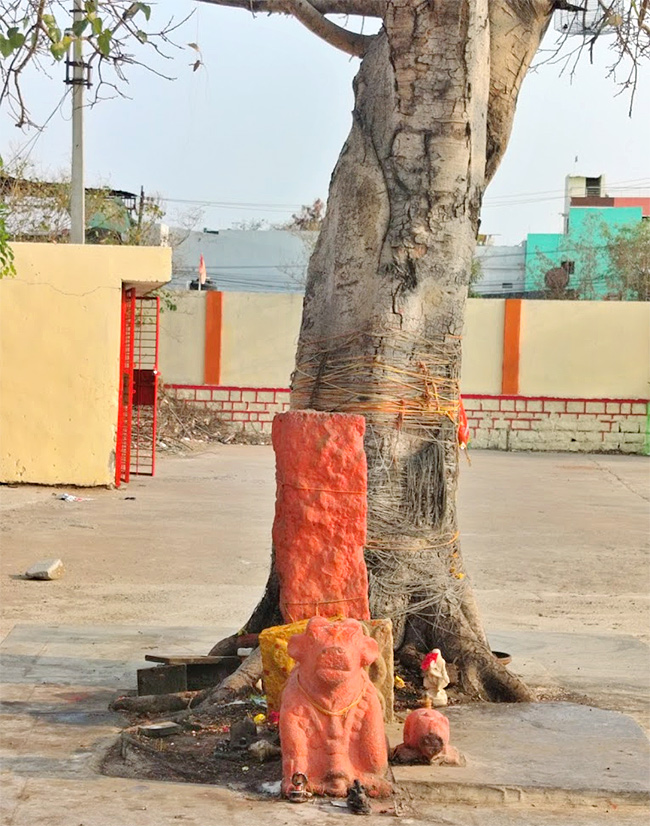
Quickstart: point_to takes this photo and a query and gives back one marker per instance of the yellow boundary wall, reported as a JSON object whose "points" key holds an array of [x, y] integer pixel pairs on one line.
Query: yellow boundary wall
{"points": [[568, 349]]}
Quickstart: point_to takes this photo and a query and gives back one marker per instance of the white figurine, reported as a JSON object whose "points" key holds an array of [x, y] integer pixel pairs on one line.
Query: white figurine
{"points": [[436, 678]]}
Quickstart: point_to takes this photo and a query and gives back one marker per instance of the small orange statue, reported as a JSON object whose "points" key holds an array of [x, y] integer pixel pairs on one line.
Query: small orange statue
{"points": [[331, 723], [426, 740]]}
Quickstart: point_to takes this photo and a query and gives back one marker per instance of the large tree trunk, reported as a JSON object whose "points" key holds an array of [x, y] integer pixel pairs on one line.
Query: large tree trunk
{"points": [[384, 310], [385, 300]]}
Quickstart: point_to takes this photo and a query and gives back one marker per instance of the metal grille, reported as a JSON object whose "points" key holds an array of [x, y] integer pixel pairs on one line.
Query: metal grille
{"points": [[594, 17], [145, 386], [125, 401]]}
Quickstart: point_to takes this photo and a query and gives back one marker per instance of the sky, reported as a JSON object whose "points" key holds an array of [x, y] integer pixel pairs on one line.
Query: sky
{"points": [[256, 131]]}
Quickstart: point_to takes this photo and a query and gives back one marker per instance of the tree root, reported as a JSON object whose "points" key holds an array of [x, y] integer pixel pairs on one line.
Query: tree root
{"points": [[228, 646], [157, 703], [239, 684]]}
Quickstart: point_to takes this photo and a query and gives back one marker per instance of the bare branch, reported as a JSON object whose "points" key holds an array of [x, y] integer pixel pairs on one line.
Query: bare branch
{"points": [[349, 42], [362, 8], [623, 25], [42, 32], [562, 5]]}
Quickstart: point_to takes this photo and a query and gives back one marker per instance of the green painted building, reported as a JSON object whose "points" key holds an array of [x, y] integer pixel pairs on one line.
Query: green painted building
{"points": [[576, 261]]}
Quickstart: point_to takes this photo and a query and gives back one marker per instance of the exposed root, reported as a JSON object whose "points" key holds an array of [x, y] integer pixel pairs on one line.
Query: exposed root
{"points": [[228, 646], [479, 675], [458, 633], [239, 684], [157, 703], [484, 678]]}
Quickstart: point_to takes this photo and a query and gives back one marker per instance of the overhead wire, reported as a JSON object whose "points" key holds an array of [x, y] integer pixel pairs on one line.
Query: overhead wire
{"points": [[516, 198]]}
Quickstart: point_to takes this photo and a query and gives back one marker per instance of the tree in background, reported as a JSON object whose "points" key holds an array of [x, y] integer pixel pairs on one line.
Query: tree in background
{"points": [[602, 262], [628, 272], [7, 267], [475, 276], [576, 269], [309, 219], [38, 210]]}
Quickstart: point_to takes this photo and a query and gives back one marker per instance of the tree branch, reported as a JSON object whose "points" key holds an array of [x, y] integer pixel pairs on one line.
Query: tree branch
{"points": [[516, 31], [362, 8], [349, 42]]}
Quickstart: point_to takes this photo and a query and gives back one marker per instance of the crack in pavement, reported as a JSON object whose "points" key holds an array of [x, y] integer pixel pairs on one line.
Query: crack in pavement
{"points": [[619, 479]]}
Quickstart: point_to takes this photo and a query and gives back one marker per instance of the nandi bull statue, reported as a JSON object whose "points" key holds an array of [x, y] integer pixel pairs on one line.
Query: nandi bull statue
{"points": [[331, 723]]}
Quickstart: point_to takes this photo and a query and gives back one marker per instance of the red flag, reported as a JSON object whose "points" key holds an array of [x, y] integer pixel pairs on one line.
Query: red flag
{"points": [[203, 275], [463, 429]]}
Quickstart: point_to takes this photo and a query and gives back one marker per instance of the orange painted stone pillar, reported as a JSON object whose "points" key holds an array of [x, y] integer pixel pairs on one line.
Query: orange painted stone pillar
{"points": [[319, 530]]}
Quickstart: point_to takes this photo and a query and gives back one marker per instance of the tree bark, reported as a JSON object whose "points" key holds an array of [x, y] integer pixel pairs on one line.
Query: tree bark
{"points": [[384, 306]]}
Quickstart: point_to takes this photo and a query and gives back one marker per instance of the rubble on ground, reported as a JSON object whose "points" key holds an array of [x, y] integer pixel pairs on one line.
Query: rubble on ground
{"points": [[184, 427]]}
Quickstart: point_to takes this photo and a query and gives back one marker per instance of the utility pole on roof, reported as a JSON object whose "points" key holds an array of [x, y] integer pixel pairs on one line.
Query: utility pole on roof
{"points": [[140, 214], [78, 79]]}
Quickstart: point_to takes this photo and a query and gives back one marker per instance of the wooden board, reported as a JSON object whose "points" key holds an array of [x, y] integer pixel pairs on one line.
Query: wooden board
{"points": [[181, 660]]}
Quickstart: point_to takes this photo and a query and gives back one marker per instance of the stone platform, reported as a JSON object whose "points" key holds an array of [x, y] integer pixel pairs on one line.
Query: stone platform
{"points": [[553, 754], [57, 682]]}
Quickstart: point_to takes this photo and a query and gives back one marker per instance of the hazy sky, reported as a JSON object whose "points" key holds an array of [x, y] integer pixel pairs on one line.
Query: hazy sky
{"points": [[262, 124]]}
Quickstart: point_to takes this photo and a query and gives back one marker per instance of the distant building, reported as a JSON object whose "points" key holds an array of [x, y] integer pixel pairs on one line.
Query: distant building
{"points": [[568, 264], [276, 261], [243, 260], [503, 271], [574, 262]]}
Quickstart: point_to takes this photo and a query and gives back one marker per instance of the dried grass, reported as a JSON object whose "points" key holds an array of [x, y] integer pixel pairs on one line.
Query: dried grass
{"points": [[183, 425]]}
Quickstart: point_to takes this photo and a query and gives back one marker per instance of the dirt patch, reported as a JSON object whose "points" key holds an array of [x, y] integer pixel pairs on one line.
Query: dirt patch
{"points": [[193, 757], [209, 749], [200, 752]]}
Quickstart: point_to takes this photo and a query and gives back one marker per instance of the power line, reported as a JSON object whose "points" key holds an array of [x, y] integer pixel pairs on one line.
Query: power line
{"points": [[643, 183], [517, 198], [35, 138]]}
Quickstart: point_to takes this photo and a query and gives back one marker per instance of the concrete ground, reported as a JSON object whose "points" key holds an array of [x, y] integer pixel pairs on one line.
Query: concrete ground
{"points": [[556, 545]]}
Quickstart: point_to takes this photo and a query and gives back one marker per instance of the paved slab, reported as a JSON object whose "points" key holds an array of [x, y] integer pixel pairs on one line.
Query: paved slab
{"points": [[611, 670], [552, 542], [539, 754]]}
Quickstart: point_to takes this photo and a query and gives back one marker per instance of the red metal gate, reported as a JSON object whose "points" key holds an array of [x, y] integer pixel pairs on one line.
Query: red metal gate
{"points": [[145, 386], [125, 409], [136, 425]]}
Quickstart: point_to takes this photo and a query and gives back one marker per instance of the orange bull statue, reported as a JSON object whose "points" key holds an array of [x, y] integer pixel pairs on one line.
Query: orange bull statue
{"points": [[331, 723]]}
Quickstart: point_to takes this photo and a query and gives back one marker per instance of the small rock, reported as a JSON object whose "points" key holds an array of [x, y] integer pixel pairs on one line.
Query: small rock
{"points": [[271, 788], [164, 729], [264, 751], [242, 734], [46, 569]]}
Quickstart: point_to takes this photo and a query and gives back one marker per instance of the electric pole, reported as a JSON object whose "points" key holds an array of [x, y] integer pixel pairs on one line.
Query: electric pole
{"points": [[78, 81]]}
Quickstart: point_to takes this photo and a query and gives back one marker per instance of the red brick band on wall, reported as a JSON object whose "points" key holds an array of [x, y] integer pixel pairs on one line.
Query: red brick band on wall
{"points": [[542, 423], [501, 422], [247, 408]]}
